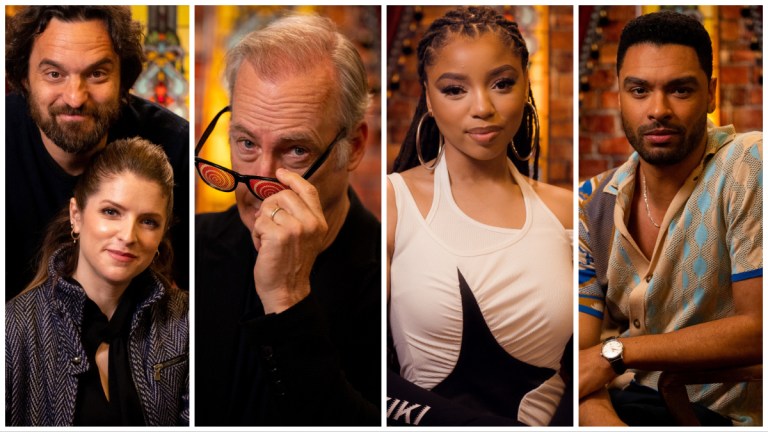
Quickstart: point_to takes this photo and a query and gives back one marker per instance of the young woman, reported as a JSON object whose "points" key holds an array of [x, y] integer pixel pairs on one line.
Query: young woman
{"points": [[100, 337], [480, 255]]}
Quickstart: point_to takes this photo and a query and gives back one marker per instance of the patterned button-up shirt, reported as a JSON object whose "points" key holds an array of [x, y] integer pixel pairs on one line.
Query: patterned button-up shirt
{"points": [[711, 237]]}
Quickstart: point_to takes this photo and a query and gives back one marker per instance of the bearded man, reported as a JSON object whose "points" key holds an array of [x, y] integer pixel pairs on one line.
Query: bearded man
{"points": [[670, 243], [70, 69]]}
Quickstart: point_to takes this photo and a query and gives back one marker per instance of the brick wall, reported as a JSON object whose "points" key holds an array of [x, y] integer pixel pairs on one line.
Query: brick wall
{"points": [[740, 77], [560, 155], [403, 96], [602, 143]]}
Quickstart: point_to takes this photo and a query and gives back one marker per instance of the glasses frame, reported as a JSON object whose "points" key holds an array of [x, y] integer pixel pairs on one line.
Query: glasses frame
{"points": [[245, 179]]}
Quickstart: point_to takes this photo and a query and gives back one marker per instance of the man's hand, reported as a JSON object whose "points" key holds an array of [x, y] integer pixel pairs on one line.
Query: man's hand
{"points": [[288, 241], [594, 371]]}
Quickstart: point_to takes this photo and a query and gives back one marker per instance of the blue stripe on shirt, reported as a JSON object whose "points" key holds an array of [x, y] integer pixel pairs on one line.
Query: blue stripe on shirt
{"points": [[747, 275]]}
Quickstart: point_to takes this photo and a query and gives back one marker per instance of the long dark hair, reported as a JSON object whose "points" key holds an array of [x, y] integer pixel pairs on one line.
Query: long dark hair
{"points": [[470, 22], [133, 155]]}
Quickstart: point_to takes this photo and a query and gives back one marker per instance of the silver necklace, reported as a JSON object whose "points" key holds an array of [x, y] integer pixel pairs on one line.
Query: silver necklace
{"points": [[645, 198]]}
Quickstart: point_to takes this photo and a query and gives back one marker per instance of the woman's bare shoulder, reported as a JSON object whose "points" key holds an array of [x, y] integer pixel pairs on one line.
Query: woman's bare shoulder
{"points": [[418, 180], [420, 184], [558, 200]]}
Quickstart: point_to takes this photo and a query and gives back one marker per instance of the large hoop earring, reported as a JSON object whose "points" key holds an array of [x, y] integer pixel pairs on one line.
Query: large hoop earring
{"points": [[535, 143], [440, 147], [75, 235]]}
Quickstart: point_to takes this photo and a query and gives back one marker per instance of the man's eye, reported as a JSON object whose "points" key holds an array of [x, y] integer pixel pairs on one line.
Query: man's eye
{"points": [[299, 151], [246, 144]]}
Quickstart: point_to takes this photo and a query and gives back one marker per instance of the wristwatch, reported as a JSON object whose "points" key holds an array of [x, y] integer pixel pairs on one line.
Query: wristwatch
{"points": [[613, 351]]}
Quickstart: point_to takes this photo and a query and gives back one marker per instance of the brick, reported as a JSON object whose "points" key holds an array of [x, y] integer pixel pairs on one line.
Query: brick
{"points": [[561, 16], [560, 149], [411, 87], [588, 101], [565, 85], [602, 79], [624, 13], [586, 146], [729, 31], [608, 53], [562, 60], [614, 146], [399, 108], [734, 95], [612, 32], [609, 100], [748, 119], [730, 12], [561, 40], [561, 129], [734, 75], [561, 108], [589, 167], [559, 172], [740, 55], [598, 123]]}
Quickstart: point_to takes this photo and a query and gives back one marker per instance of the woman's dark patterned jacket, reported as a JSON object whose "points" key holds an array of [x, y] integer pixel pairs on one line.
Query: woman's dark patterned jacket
{"points": [[44, 353]]}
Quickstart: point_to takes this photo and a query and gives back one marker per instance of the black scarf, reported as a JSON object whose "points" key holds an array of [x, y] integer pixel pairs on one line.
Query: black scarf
{"points": [[123, 407]]}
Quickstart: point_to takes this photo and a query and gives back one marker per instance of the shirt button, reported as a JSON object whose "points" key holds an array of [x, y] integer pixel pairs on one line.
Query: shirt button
{"points": [[266, 352], [636, 323], [648, 278], [76, 360]]}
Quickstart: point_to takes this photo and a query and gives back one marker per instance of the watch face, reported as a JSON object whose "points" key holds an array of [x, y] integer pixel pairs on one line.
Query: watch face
{"points": [[612, 349]]}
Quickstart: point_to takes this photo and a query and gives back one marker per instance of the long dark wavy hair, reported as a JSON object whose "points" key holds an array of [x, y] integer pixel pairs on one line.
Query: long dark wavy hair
{"points": [[133, 155], [472, 22]]}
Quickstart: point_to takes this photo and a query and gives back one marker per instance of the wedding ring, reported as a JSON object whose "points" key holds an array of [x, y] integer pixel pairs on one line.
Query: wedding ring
{"points": [[274, 212]]}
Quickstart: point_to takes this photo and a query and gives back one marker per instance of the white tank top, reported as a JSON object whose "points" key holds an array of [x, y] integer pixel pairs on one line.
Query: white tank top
{"points": [[522, 281]]}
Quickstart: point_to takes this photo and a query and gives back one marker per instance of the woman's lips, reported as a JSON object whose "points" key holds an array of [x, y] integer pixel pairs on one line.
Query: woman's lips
{"points": [[484, 134], [121, 256]]}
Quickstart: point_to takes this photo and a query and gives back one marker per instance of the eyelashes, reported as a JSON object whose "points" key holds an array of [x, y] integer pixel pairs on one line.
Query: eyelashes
{"points": [[503, 85], [453, 90]]}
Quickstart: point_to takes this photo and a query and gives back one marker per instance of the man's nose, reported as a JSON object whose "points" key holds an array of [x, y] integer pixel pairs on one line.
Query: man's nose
{"points": [[75, 91], [659, 108], [266, 165]]}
